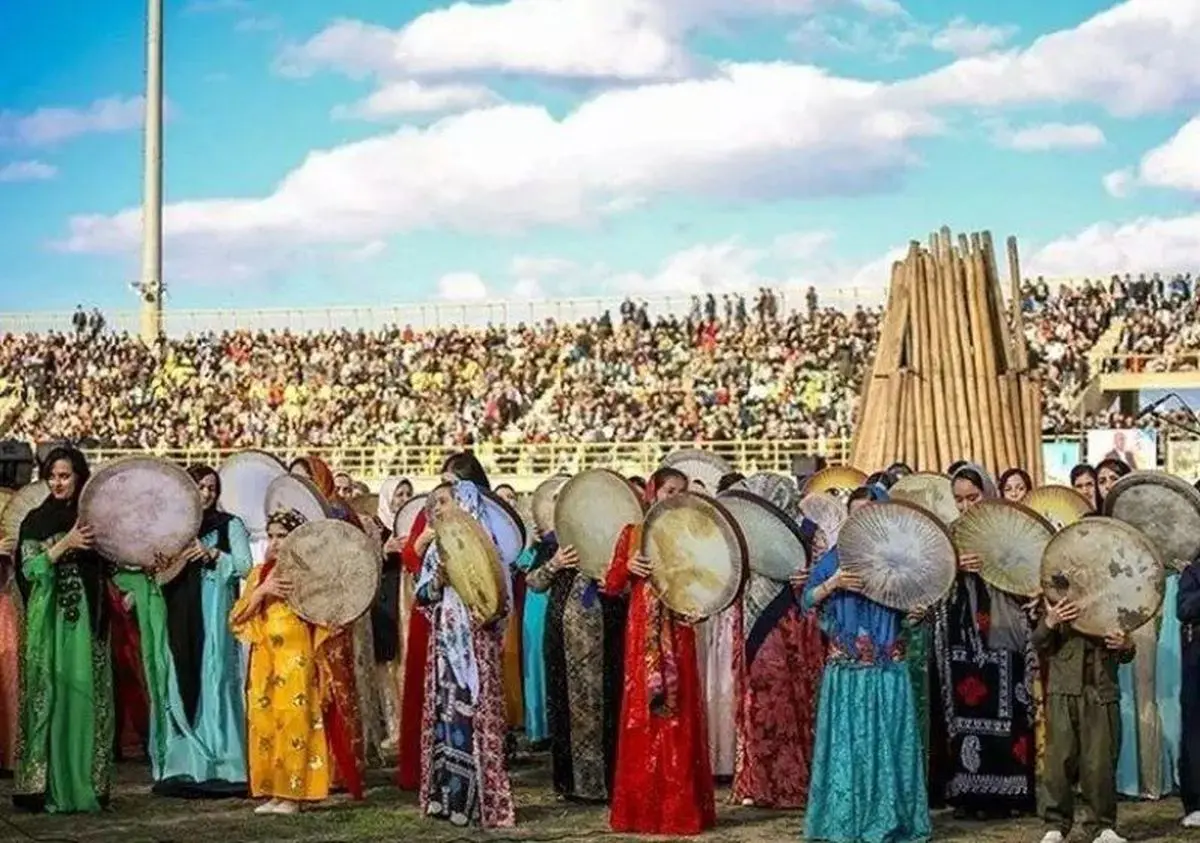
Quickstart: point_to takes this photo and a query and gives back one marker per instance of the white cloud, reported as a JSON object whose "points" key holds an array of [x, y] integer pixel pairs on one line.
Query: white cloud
{"points": [[51, 125], [1136, 57], [462, 286], [582, 39], [1146, 244], [410, 97], [368, 251], [756, 131], [960, 37], [1174, 165], [1050, 136], [1119, 182], [27, 171]]}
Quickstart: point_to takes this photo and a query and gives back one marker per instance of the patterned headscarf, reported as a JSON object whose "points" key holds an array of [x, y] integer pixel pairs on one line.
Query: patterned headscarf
{"points": [[453, 629], [289, 519]]}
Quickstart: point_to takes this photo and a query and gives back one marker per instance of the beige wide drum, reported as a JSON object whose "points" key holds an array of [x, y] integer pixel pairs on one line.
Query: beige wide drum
{"points": [[1009, 540], [140, 508], [592, 509], [334, 568], [1110, 570], [697, 553], [472, 564]]}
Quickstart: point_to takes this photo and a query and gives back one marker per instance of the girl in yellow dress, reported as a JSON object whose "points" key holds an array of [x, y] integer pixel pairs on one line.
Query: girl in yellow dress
{"points": [[294, 722]]}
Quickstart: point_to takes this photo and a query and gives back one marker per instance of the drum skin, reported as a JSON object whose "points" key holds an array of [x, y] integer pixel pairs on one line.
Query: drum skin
{"points": [[697, 555], [1062, 506], [245, 478], [140, 508], [932, 492], [24, 501], [774, 544], [1164, 508], [1009, 540], [837, 479], [592, 510], [472, 564], [407, 516], [696, 464], [302, 495], [545, 496], [1110, 570], [827, 511], [903, 553], [334, 569]]}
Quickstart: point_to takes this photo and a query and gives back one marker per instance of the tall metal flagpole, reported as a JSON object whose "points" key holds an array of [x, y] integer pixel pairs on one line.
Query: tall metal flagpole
{"points": [[151, 286]]}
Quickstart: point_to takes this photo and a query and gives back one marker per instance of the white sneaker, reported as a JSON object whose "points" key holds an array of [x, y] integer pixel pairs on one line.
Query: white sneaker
{"points": [[285, 808], [1192, 820], [1052, 837], [267, 808], [1109, 836]]}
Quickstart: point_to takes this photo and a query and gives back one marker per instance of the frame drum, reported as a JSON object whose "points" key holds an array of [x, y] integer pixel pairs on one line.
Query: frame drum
{"points": [[932, 492], [1009, 540], [775, 547], [334, 568], [1110, 570], [904, 554], [696, 464], [24, 501], [140, 507], [245, 478], [1164, 508], [472, 564], [407, 516], [698, 555], [592, 510], [291, 492]]}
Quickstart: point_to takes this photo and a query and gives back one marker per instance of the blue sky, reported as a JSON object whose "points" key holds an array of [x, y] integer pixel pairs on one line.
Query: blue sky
{"points": [[386, 152]]}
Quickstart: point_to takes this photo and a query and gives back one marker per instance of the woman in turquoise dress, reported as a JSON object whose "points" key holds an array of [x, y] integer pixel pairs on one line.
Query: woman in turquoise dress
{"points": [[868, 774], [64, 745], [533, 634], [206, 731]]}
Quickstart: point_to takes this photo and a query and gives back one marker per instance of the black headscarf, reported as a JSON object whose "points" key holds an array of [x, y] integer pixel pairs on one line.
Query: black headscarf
{"points": [[1117, 467], [55, 518], [466, 466], [184, 601]]}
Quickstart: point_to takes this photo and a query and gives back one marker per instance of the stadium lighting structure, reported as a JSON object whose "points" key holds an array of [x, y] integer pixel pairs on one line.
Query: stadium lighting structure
{"points": [[150, 287]]}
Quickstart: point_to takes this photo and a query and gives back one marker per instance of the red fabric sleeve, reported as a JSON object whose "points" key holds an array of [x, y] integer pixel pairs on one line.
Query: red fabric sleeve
{"points": [[618, 577], [410, 557]]}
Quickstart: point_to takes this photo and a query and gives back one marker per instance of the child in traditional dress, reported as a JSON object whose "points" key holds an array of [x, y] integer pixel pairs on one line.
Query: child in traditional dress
{"points": [[1083, 723], [297, 738]]}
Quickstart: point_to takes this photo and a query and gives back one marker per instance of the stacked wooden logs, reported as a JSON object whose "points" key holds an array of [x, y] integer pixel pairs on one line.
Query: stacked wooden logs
{"points": [[951, 377]]}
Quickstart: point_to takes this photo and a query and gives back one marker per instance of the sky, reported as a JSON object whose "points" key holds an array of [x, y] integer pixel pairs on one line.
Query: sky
{"points": [[395, 151]]}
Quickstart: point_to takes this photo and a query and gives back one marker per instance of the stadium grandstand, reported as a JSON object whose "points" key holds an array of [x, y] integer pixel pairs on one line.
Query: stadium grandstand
{"points": [[537, 386]]}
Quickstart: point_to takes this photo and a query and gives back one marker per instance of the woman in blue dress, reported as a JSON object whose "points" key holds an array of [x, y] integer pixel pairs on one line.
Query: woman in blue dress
{"points": [[206, 722], [533, 656], [868, 775]]}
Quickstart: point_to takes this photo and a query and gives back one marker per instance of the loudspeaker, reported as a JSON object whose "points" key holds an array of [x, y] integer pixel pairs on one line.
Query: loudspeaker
{"points": [[16, 464]]}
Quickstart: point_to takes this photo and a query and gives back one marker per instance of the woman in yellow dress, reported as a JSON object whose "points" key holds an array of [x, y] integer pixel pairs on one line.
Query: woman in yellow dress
{"points": [[296, 744]]}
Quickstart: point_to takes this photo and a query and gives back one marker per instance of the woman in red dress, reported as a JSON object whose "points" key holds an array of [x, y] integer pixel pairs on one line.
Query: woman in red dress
{"points": [[663, 782]]}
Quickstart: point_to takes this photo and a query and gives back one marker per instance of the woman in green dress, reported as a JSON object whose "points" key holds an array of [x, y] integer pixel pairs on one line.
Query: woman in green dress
{"points": [[65, 723]]}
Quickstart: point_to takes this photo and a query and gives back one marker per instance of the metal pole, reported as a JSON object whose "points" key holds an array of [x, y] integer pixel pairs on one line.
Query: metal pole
{"points": [[151, 287]]}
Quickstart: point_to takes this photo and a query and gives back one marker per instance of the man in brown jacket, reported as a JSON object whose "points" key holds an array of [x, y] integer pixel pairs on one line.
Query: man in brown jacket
{"points": [[1083, 723]]}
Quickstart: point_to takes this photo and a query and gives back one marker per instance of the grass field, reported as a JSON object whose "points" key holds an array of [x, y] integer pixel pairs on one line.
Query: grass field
{"points": [[137, 817]]}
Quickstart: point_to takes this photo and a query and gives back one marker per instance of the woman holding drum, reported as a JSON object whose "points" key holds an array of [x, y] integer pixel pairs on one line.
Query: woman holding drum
{"points": [[66, 717], [985, 666], [205, 755], [463, 775], [868, 773], [298, 736], [663, 782]]}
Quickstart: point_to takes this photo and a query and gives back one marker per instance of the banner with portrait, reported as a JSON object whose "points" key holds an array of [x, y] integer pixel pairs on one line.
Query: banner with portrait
{"points": [[1136, 447], [1059, 457], [1183, 459]]}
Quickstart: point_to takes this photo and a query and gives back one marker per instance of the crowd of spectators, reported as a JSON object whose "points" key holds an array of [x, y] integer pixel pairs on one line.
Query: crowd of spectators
{"points": [[726, 369]]}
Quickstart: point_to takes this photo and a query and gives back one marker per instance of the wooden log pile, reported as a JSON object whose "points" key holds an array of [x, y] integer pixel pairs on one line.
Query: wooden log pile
{"points": [[951, 377]]}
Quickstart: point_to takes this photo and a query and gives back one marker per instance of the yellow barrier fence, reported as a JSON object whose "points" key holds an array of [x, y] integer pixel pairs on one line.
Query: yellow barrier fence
{"points": [[527, 461]]}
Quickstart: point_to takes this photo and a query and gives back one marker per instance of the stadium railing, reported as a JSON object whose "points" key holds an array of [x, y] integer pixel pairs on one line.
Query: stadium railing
{"points": [[519, 460], [1133, 364]]}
